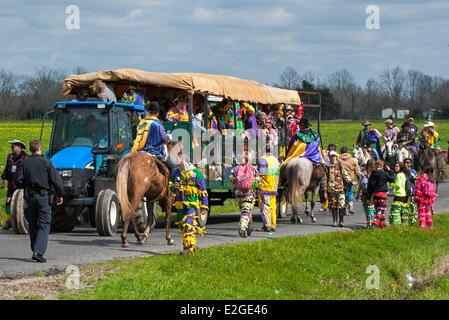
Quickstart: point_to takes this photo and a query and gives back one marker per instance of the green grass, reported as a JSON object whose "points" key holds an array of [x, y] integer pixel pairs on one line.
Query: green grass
{"points": [[321, 266]]}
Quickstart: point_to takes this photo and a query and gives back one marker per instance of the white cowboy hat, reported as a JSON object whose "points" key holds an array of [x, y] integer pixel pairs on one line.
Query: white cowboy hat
{"points": [[431, 124]]}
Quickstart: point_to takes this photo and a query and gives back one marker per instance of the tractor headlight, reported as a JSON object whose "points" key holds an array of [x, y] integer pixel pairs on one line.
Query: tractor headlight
{"points": [[66, 173], [90, 166]]}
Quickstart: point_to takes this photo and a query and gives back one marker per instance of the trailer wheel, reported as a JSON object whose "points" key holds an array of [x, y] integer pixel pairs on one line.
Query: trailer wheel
{"points": [[65, 219], [18, 221], [107, 213]]}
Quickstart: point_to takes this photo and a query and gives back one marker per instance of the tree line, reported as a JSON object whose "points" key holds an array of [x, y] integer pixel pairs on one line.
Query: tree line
{"points": [[30, 96], [395, 88]]}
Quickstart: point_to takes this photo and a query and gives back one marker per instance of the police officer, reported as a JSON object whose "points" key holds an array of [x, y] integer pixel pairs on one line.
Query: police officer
{"points": [[37, 176]]}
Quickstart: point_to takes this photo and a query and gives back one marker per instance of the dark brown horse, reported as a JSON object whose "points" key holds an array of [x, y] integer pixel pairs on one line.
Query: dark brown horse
{"points": [[436, 160], [139, 176]]}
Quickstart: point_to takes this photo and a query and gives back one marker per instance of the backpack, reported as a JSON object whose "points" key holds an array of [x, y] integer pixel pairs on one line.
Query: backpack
{"points": [[244, 177]]}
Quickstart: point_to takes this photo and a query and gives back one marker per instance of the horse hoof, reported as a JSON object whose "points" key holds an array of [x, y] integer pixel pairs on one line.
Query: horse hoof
{"points": [[170, 242], [301, 221], [125, 245], [293, 220], [313, 219], [307, 213]]}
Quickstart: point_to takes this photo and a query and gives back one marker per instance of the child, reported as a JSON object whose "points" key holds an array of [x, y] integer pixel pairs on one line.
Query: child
{"points": [[268, 167], [189, 185], [244, 176], [368, 205], [425, 198], [378, 191], [399, 209]]}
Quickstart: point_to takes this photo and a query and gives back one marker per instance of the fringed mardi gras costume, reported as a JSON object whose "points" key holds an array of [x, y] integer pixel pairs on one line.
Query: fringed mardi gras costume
{"points": [[268, 167], [399, 211], [424, 199], [380, 204], [191, 197]]}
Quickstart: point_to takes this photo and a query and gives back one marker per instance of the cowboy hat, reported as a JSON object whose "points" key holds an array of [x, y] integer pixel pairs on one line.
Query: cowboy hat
{"points": [[388, 121], [431, 124], [18, 142], [411, 119], [366, 123], [304, 123]]}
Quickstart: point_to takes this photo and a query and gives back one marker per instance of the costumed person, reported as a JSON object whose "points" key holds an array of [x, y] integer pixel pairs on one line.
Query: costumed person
{"points": [[103, 91], [368, 205], [430, 137], [336, 179], [411, 182], [425, 196], [268, 167], [13, 161], [133, 95], [245, 178], [151, 135], [272, 133], [179, 113], [413, 127], [352, 167], [378, 191], [249, 120], [325, 153], [406, 139], [391, 131], [295, 121], [189, 186], [369, 136], [304, 144], [400, 210]]}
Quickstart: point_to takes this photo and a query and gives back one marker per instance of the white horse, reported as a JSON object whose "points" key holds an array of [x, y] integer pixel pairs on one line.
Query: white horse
{"points": [[361, 154], [404, 153]]}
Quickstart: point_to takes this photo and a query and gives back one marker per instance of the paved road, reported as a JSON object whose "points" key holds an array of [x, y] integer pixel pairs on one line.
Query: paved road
{"points": [[84, 246]]}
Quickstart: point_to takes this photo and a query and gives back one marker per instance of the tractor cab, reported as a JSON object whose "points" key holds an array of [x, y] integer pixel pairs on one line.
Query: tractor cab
{"points": [[88, 139]]}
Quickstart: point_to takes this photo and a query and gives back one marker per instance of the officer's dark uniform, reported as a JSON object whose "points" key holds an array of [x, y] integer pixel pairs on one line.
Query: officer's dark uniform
{"points": [[37, 176]]}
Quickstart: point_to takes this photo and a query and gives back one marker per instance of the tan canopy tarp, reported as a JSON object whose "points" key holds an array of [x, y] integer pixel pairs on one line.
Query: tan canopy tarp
{"points": [[225, 86]]}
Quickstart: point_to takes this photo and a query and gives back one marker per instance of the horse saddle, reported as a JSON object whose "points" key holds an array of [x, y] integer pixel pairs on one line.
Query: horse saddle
{"points": [[161, 166]]}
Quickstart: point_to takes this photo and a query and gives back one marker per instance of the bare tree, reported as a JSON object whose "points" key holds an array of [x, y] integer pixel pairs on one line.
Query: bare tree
{"points": [[79, 70], [392, 81], [289, 79], [346, 90]]}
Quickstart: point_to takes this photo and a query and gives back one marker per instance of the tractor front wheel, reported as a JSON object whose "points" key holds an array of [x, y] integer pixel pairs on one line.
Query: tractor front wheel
{"points": [[107, 213], [18, 222]]}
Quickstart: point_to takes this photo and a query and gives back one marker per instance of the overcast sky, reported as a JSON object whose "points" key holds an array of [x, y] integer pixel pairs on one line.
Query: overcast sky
{"points": [[253, 39]]}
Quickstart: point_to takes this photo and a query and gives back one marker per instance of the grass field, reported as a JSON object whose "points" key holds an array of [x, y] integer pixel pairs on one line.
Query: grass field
{"points": [[339, 132], [322, 266]]}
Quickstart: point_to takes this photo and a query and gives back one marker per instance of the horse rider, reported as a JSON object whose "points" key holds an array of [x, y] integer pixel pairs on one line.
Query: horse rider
{"points": [[391, 131], [151, 135], [369, 136], [406, 138], [413, 128], [429, 137]]}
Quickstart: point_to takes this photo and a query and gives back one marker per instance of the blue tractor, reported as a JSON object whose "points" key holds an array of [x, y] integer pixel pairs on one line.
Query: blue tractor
{"points": [[88, 139]]}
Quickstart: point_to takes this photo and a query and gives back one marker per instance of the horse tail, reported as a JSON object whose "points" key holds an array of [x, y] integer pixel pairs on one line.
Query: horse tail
{"points": [[294, 186], [123, 169]]}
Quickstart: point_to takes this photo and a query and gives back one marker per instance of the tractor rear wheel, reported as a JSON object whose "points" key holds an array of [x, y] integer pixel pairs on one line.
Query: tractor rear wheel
{"points": [[107, 213], [18, 222], [65, 219]]}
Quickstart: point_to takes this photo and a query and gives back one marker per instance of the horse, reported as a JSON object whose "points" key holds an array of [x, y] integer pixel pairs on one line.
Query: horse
{"points": [[390, 153], [296, 176], [140, 176], [404, 153], [434, 159], [361, 154]]}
